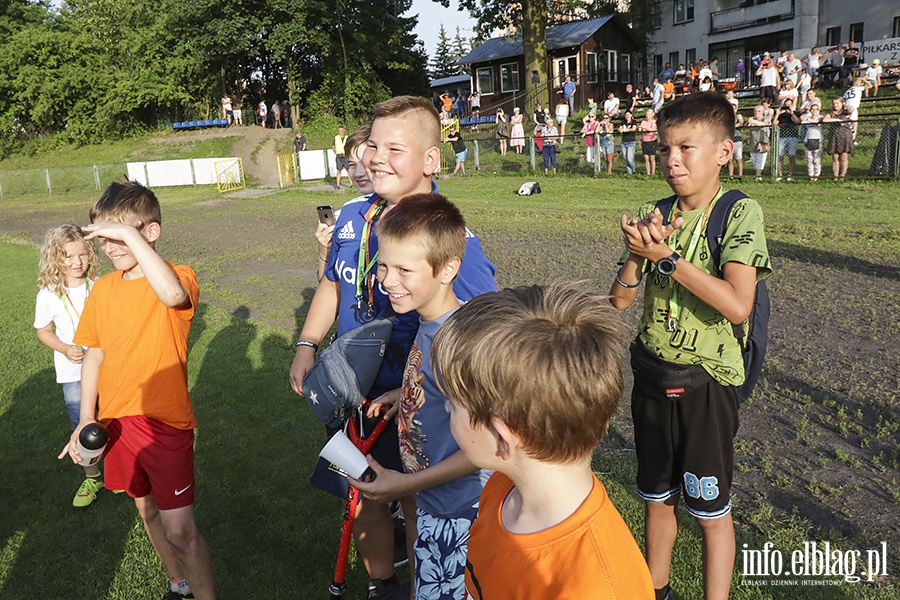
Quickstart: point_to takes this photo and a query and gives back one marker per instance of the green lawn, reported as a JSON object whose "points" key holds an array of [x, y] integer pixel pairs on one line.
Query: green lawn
{"points": [[274, 536]]}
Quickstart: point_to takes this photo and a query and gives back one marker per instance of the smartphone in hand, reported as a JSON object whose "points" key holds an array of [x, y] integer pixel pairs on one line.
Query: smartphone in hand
{"points": [[326, 214]]}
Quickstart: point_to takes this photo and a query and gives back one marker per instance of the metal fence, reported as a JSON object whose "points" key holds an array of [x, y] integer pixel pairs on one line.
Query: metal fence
{"points": [[59, 180], [875, 153]]}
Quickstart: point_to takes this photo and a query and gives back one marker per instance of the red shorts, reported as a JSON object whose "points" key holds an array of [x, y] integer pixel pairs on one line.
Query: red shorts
{"points": [[146, 456]]}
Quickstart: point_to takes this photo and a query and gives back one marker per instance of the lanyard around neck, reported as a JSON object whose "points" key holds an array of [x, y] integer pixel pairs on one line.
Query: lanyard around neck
{"points": [[67, 302], [365, 260], [674, 315]]}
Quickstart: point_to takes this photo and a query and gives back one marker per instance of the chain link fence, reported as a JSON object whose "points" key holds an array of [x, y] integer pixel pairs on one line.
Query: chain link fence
{"points": [[59, 180], [874, 152]]}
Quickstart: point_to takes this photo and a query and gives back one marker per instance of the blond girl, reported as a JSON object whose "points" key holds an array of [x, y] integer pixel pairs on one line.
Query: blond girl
{"points": [[68, 267]]}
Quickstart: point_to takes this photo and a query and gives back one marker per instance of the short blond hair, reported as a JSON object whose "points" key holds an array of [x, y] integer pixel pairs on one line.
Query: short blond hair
{"points": [[430, 219], [414, 107], [545, 360], [51, 274]]}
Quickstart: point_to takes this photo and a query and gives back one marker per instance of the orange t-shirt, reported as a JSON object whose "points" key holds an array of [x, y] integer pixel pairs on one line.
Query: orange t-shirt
{"points": [[668, 89], [144, 369], [447, 103], [592, 554]]}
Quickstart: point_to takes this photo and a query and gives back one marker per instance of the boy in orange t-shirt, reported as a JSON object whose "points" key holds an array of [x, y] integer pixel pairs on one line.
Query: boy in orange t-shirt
{"points": [[533, 376], [669, 89], [135, 326]]}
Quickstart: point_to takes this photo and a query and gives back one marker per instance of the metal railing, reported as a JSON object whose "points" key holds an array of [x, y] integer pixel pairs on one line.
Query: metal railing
{"points": [[875, 153], [59, 180], [749, 14]]}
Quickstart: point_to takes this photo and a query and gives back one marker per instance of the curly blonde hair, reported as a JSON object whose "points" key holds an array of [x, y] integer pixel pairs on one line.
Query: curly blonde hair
{"points": [[52, 274]]}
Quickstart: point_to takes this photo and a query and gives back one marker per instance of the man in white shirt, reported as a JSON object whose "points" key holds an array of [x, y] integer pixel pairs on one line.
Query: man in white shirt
{"points": [[611, 106], [792, 68], [658, 93]]}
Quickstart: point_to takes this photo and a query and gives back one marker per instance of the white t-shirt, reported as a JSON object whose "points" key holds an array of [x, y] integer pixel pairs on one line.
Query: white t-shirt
{"points": [[812, 61], [50, 308], [769, 77], [792, 69], [813, 127], [611, 107], [872, 73], [853, 96]]}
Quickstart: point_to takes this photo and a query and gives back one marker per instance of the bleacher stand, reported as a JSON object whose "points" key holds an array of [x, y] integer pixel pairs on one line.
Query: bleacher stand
{"points": [[202, 124]]}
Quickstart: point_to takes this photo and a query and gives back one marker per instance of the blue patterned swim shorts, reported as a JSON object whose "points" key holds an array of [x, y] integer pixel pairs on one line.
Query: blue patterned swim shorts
{"points": [[441, 550]]}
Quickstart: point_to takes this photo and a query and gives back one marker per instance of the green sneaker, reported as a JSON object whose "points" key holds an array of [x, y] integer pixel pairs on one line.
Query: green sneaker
{"points": [[87, 493]]}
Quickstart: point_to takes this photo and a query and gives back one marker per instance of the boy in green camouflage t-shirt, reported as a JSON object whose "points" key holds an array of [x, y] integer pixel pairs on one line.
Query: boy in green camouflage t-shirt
{"points": [[686, 360]]}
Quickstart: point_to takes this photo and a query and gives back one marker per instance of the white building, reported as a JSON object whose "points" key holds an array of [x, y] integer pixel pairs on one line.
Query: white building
{"points": [[733, 29]]}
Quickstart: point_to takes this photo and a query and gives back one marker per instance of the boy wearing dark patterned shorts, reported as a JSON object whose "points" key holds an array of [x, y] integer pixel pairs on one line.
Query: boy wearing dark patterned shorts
{"points": [[687, 361]]}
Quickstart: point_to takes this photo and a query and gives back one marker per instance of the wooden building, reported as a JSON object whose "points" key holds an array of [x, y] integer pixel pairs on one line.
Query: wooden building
{"points": [[601, 55]]}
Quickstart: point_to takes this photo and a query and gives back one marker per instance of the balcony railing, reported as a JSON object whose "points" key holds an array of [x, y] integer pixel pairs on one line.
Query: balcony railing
{"points": [[750, 13]]}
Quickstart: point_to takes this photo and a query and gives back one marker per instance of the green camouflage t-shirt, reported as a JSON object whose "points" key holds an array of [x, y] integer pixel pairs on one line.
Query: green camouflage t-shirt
{"points": [[703, 336]]}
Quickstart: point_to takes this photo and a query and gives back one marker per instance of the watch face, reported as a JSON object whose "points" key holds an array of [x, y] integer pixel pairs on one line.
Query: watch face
{"points": [[666, 266]]}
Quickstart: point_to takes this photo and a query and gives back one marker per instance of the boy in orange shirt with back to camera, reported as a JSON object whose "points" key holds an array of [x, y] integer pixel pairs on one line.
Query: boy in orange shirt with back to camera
{"points": [[533, 376], [135, 326]]}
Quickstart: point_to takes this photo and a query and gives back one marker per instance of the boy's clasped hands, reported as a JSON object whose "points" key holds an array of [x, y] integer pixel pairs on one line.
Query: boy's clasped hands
{"points": [[646, 238]]}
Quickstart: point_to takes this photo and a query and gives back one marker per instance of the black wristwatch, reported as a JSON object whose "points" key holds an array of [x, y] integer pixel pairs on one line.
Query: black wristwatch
{"points": [[666, 266]]}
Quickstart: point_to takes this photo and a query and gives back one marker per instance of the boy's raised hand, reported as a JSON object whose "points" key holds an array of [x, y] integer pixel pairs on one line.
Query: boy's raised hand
{"points": [[389, 485], [110, 229], [641, 236], [323, 238]]}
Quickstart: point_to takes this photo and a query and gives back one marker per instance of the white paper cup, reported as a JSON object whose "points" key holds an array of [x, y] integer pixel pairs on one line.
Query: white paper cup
{"points": [[341, 452]]}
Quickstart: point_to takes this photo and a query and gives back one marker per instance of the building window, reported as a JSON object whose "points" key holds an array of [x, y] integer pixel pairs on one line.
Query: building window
{"points": [[684, 11], [509, 77], [593, 67], [673, 59], [612, 65], [690, 56], [896, 32], [856, 32], [657, 63], [625, 62], [833, 36], [485, 80], [567, 65]]}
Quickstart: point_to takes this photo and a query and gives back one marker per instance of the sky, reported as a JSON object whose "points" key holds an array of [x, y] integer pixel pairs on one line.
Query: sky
{"points": [[431, 15]]}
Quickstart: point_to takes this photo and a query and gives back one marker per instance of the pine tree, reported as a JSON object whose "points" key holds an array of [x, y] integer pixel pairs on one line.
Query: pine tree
{"points": [[442, 63], [461, 46]]}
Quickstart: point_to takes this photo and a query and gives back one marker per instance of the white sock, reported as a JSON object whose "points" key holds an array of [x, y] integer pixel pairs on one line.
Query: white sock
{"points": [[182, 587]]}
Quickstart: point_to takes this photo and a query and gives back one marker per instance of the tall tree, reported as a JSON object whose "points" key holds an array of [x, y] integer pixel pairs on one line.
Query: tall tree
{"points": [[461, 46], [443, 59], [530, 16]]}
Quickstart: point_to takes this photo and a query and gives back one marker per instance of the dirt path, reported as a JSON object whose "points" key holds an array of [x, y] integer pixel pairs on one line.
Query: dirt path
{"points": [[257, 149]]}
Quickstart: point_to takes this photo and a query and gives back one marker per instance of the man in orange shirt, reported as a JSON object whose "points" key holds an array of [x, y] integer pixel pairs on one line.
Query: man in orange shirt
{"points": [[546, 527], [134, 380]]}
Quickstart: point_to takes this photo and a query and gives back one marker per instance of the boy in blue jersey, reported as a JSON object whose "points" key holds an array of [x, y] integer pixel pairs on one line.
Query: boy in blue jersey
{"points": [[401, 156], [687, 360], [422, 245]]}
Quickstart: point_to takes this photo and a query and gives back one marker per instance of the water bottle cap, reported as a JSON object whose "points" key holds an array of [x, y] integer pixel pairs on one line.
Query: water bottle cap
{"points": [[93, 436]]}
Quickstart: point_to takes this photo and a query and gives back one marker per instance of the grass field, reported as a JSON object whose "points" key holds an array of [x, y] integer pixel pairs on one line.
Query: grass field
{"points": [[817, 459]]}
